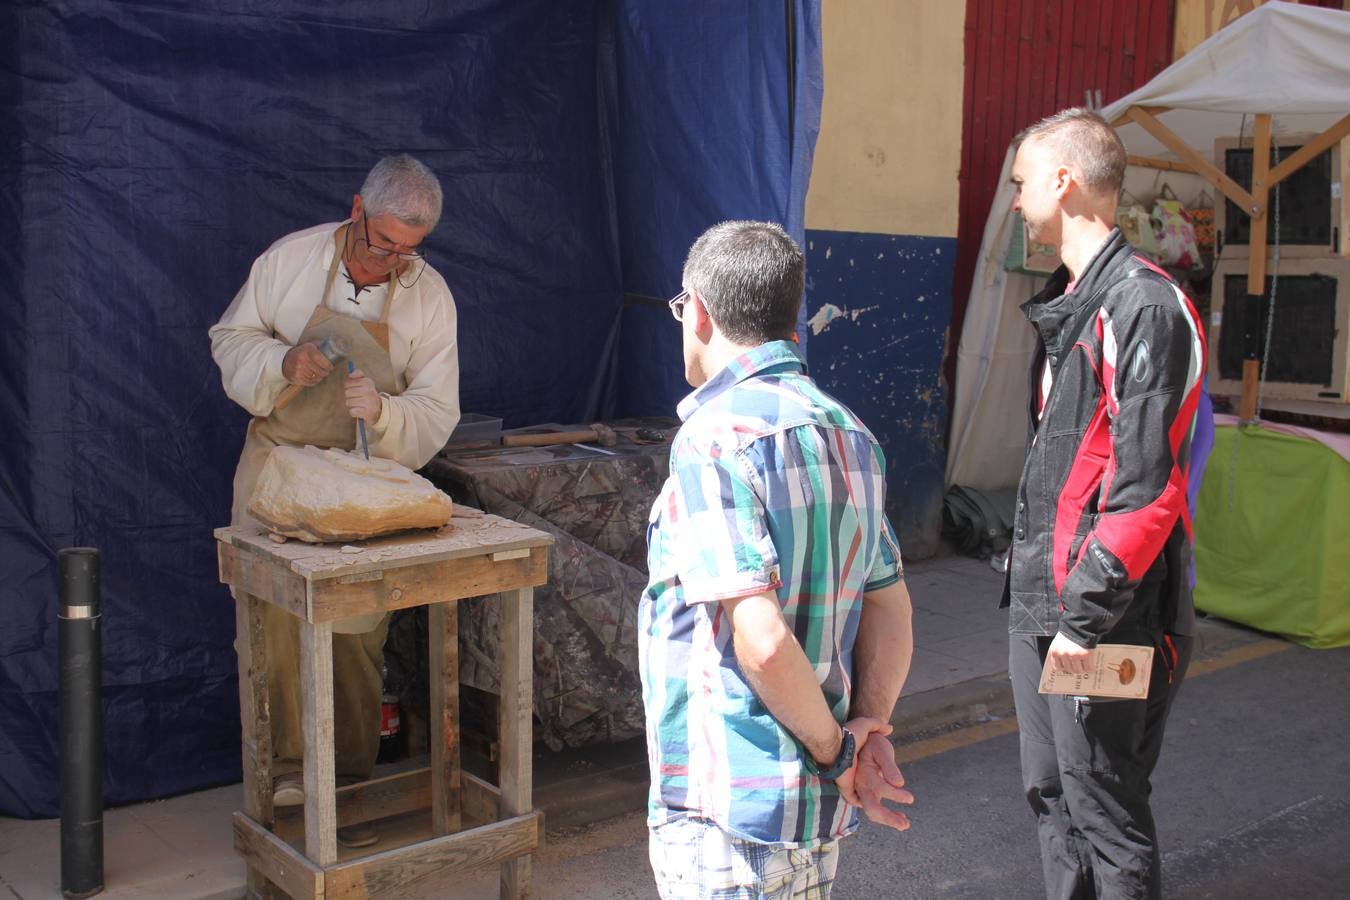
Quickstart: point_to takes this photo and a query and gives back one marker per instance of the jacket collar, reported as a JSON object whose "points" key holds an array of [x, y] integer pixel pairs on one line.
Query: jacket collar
{"points": [[1049, 310]]}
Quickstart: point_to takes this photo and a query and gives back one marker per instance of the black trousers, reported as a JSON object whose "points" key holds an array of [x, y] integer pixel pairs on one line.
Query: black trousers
{"points": [[1086, 768]]}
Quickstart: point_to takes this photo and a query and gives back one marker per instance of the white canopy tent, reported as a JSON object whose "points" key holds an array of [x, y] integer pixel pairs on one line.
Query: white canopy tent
{"points": [[1282, 66]]}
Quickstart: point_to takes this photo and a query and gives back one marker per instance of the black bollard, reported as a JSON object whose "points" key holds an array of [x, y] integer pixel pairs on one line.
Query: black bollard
{"points": [[80, 648]]}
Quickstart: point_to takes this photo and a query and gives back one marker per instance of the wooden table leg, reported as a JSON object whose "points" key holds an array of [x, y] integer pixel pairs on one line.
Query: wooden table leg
{"points": [[443, 650], [316, 714], [255, 721], [515, 725]]}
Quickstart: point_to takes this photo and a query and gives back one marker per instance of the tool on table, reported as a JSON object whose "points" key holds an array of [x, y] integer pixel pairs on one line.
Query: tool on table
{"points": [[334, 349], [598, 433], [652, 435], [360, 423]]}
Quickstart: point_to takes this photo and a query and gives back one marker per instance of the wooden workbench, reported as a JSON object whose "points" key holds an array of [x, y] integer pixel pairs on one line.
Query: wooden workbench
{"points": [[320, 584]]}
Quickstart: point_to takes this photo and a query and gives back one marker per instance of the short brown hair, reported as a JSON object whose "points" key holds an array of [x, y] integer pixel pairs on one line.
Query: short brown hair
{"points": [[1088, 143], [750, 275]]}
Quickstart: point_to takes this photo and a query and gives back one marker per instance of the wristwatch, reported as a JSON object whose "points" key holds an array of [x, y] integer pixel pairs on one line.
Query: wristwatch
{"points": [[842, 762]]}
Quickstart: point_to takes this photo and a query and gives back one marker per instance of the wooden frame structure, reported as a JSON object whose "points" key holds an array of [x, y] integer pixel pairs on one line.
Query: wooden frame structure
{"points": [[1294, 268], [1255, 203], [475, 555]]}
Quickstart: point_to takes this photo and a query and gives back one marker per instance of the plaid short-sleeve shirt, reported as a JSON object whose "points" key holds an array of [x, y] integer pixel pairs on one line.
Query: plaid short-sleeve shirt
{"points": [[774, 486]]}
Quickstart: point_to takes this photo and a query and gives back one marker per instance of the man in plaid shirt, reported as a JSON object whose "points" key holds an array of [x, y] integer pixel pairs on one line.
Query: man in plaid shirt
{"points": [[775, 629]]}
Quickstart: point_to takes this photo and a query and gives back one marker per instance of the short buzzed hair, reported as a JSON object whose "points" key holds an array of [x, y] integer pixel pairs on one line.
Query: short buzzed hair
{"points": [[1088, 143], [404, 188], [750, 276]]}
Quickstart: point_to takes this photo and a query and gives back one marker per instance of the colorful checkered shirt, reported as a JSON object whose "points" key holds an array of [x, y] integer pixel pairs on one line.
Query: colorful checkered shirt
{"points": [[774, 486]]}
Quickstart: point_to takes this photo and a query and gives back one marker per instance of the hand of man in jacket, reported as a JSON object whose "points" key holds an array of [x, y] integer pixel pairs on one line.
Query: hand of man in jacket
{"points": [[1066, 656]]}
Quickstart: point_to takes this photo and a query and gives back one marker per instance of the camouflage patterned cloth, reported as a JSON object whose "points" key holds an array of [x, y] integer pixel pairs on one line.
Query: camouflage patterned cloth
{"points": [[586, 687]]}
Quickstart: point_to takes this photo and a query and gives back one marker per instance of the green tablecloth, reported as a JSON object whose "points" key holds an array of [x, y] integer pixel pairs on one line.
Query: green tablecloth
{"points": [[1272, 536]]}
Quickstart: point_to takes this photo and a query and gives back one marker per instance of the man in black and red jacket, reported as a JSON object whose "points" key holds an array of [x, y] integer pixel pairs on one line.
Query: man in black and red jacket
{"points": [[1101, 535]]}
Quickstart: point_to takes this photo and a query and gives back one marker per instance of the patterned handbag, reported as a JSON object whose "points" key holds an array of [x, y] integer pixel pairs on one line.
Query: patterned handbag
{"points": [[1176, 233]]}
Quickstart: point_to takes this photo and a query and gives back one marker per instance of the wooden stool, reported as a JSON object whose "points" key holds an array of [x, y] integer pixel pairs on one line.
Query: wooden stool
{"points": [[322, 583]]}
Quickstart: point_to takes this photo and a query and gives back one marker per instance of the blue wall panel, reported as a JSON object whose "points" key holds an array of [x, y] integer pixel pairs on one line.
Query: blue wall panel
{"points": [[878, 306]]}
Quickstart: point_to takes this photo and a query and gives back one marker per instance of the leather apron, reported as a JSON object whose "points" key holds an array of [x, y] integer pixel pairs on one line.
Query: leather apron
{"points": [[318, 415]]}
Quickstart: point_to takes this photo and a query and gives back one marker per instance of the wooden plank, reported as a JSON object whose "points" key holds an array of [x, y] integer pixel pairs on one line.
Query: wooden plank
{"points": [[461, 538], [385, 874], [515, 724], [1256, 262], [1127, 116], [482, 801], [245, 571], [276, 859], [378, 798], [316, 715], [255, 721], [1345, 221], [377, 556], [1203, 167], [443, 653], [1167, 165], [1251, 374], [1256, 272], [1305, 154], [433, 582]]}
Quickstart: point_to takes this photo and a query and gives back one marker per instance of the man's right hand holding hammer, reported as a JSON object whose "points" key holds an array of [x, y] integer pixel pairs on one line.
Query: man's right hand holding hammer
{"points": [[305, 365]]}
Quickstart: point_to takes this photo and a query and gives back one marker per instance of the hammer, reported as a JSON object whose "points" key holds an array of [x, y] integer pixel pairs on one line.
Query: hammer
{"points": [[598, 433], [334, 348]]}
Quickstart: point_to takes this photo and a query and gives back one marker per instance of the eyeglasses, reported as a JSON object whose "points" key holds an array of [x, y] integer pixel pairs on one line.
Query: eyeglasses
{"points": [[676, 305], [386, 252], [411, 263]]}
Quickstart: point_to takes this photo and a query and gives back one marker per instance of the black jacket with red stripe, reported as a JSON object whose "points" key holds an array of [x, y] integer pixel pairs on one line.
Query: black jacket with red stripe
{"points": [[1101, 531]]}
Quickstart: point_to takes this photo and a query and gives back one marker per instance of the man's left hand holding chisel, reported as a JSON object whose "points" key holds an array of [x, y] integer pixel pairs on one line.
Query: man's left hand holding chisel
{"points": [[363, 402]]}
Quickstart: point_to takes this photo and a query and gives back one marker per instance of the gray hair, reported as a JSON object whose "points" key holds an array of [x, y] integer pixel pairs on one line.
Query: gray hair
{"points": [[1088, 143], [750, 275], [402, 187]]}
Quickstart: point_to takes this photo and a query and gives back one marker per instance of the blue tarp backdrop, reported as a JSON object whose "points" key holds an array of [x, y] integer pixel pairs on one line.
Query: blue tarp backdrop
{"points": [[155, 149], [707, 134]]}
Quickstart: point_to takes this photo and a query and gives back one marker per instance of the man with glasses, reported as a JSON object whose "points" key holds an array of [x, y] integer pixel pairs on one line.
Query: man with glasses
{"points": [[774, 632], [366, 284]]}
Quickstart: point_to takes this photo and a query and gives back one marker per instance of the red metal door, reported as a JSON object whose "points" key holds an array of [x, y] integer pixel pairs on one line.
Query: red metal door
{"points": [[1025, 59]]}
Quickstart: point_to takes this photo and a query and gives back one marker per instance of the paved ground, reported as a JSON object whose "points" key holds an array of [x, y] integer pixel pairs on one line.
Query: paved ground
{"points": [[182, 847]]}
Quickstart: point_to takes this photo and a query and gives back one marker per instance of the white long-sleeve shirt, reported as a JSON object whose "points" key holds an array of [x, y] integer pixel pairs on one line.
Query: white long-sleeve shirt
{"points": [[270, 312]]}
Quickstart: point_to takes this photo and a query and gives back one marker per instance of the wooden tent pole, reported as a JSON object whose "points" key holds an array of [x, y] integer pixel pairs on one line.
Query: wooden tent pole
{"points": [[1166, 165], [1264, 179], [1211, 173], [1256, 268], [1308, 151]]}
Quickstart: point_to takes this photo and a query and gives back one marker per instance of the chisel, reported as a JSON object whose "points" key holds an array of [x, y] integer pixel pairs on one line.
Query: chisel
{"points": [[360, 423]]}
